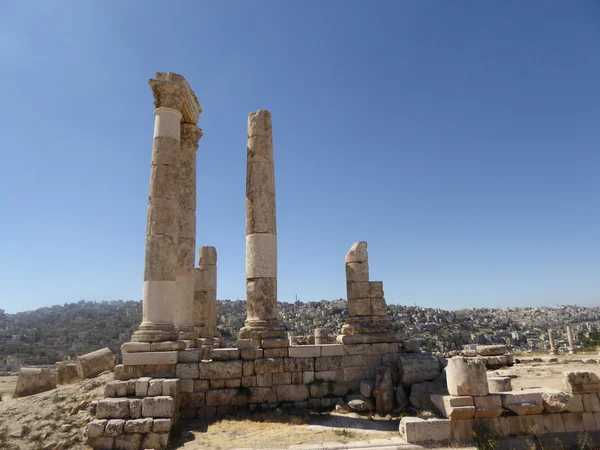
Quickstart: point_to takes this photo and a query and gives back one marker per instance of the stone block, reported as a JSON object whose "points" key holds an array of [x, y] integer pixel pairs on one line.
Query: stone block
{"points": [[247, 368], [282, 378], [304, 351], [331, 362], [262, 395], [499, 384], [224, 354], [186, 385], [120, 388], [358, 349], [155, 387], [296, 377], [378, 306], [326, 375], [261, 250], [467, 376], [161, 425], [160, 406], [575, 404], [357, 253], [591, 402], [191, 355], [101, 443], [580, 382], [218, 384], [274, 343], [96, 428], [114, 427], [244, 344], [139, 425], [454, 407], [94, 363], [416, 430], [359, 361], [366, 387], [233, 383], [319, 389], [275, 352], [155, 441], [523, 403], [264, 379], [110, 389], [135, 408], [416, 368], [253, 353], [357, 271], [332, 350], [299, 364], [150, 358], [225, 397], [292, 393], [589, 423], [308, 377], [573, 422], [220, 369], [268, 365], [128, 441], [553, 423], [249, 381], [188, 413], [384, 347], [488, 406], [357, 373], [112, 408], [200, 385], [491, 350], [376, 289], [35, 380], [462, 430], [412, 346], [141, 386], [357, 290]]}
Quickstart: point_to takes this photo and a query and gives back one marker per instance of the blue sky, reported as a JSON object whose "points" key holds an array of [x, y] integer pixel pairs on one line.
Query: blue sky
{"points": [[460, 139]]}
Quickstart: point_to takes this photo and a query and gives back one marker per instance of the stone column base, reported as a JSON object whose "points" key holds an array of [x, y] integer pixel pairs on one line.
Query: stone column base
{"points": [[367, 325], [187, 333], [155, 333], [257, 330]]}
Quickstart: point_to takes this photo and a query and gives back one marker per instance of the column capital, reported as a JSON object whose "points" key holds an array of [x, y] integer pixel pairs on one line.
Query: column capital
{"points": [[167, 94], [190, 135]]}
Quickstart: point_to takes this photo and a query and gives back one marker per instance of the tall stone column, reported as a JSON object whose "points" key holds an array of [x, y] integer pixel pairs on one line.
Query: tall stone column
{"points": [[205, 293], [175, 102], [551, 338], [186, 248], [570, 339], [261, 234]]}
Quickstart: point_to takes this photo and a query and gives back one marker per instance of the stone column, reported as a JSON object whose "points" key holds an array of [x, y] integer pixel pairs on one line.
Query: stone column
{"points": [[571, 342], [322, 336], [551, 338], [186, 248], [261, 234], [175, 102], [205, 293]]}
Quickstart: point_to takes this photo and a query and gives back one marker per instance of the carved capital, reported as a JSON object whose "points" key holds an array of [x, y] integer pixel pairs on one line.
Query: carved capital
{"points": [[168, 94], [190, 135]]}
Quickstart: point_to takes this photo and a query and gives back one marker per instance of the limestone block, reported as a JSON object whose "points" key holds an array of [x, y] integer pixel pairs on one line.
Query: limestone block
{"points": [[413, 346], [200, 385], [164, 150], [171, 387], [416, 430], [193, 400], [135, 347], [366, 387], [296, 377], [359, 307], [207, 255], [101, 442], [274, 343], [247, 368], [553, 423], [573, 422], [522, 404], [384, 390], [355, 373], [332, 350], [225, 397], [268, 365], [575, 404], [224, 354], [96, 428], [110, 389], [308, 377], [163, 181], [260, 177], [304, 351], [155, 387], [357, 253], [264, 380], [112, 408], [580, 382], [420, 394], [150, 358], [155, 441], [357, 290], [187, 370], [488, 406], [499, 384], [244, 344], [141, 386], [554, 401], [260, 148], [359, 361], [128, 441], [466, 376], [261, 255], [319, 389], [220, 369], [381, 348], [218, 384], [300, 364], [376, 289], [260, 294], [491, 350], [415, 368], [332, 362], [589, 423], [282, 378], [378, 306], [120, 388], [162, 218], [33, 380], [357, 271], [114, 427], [135, 408], [260, 212], [591, 402], [262, 395], [191, 355], [249, 354], [139, 425], [249, 381], [161, 425], [453, 407], [205, 278], [160, 406], [327, 375], [292, 393]]}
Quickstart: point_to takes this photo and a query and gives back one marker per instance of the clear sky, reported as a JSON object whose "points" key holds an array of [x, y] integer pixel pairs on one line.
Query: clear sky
{"points": [[460, 139]]}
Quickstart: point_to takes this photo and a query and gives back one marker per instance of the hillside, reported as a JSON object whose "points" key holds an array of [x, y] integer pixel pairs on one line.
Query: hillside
{"points": [[50, 334]]}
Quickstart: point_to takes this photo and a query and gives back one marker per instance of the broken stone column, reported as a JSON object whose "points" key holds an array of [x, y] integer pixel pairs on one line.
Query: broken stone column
{"points": [[571, 341], [205, 293], [322, 336], [175, 103], [467, 376], [261, 235], [186, 245], [551, 338], [367, 310]]}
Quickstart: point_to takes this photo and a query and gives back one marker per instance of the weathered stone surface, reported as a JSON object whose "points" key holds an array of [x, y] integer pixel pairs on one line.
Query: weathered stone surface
{"points": [[292, 393], [304, 351], [453, 407], [575, 404], [401, 397], [112, 408], [415, 368], [139, 425], [416, 430], [155, 441], [155, 387], [522, 403], [366, 387], [161, 425], [262, 395], [420, 394], [361, 405], [171, 387], [357, 271], [491, 350], [150, 358], [580, 382], [114, 427], [33, 380], [96, 428], [357, 253], [220, 369], [488, 406], [249, 354], [591, 402], [130, 441], [268, 365], [554, 401], [499, 384], [160, 406], [466, 376], [226, 397], [384, 390], [300, 364], [224, 354]]}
